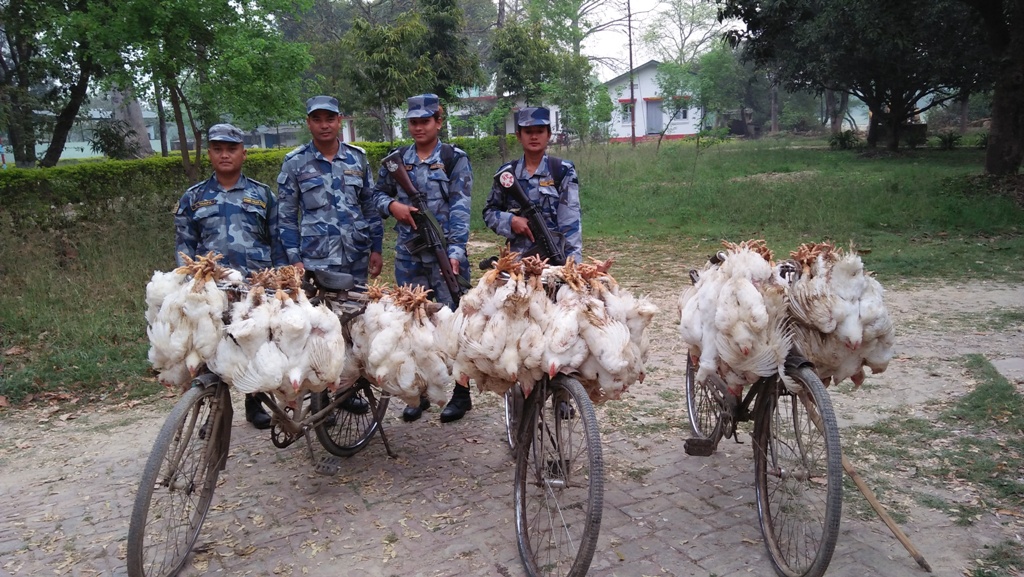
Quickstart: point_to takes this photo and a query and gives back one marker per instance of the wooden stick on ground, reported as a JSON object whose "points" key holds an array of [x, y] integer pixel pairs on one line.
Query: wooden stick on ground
{"points": [[884, 516]]}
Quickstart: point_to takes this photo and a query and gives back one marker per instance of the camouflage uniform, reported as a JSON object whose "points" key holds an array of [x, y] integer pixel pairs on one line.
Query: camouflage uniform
{"points": [[559, 206], [448, 198], [327, 217], [238, 223]]}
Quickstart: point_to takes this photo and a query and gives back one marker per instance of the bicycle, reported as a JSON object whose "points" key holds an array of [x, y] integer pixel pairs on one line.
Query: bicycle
{"points": [[559, 480], [191, 450], [797, 458]]}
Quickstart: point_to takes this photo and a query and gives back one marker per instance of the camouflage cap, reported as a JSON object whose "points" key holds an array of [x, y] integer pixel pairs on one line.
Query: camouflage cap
{"points": [[423, 106], [539, 116], [328, 103], [224, 133]]}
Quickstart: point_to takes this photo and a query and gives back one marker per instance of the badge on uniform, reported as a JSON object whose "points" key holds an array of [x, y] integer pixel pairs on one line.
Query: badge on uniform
{"points": [[352, 172], [254, 202], [202, 203], [437, 166], [547, 183]]}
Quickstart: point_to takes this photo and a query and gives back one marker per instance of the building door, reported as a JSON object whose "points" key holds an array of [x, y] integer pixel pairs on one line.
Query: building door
{"points": [[654, 118]]}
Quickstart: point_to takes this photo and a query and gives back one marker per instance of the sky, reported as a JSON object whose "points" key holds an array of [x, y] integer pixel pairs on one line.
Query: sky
{"points": [[614, 44]]}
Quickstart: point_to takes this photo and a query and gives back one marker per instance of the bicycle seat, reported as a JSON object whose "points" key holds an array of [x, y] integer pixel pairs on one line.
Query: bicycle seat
{"points": [[488, 263], [333, 281]]}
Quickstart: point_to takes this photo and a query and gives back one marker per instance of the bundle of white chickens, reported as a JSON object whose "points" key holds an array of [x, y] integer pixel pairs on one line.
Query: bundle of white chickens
{"points": [[734, 318], [397, 344], [509, 329], [840, 320], [276, 341], [184, 316]]}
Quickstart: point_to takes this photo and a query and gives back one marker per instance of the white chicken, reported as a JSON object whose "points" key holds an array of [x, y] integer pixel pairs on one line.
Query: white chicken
{"points": [[842, 323], [734, 318]]}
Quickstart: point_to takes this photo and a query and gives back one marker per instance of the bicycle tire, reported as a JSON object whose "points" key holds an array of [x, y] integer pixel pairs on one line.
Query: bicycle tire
{"points": [[559, 481], [349, 433], [178, 483], [702, 406], [798, 475], [514, 402]]}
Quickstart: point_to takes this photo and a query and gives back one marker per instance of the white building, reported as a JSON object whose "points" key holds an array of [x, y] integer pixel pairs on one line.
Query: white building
{"points": [[651, 117]]}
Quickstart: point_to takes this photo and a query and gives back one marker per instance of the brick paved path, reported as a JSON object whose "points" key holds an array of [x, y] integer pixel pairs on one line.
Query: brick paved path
{"points": [[443, 507]]}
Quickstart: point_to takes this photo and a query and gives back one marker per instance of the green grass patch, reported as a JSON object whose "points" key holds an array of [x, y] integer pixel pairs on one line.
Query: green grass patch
{"points": [[71, 313], [1004, 559], [993, 402]]}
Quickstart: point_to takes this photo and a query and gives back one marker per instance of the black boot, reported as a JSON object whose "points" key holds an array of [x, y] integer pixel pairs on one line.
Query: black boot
{"points": [[414, 412], [356, 405], [457, 407], [255, 413]]}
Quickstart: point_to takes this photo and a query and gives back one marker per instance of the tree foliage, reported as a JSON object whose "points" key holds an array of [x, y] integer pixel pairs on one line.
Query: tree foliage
{"points": [[525, 61], [900, 58], [681, 30]]}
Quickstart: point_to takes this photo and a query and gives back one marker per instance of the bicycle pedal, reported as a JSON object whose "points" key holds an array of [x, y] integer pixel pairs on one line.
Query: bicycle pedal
{"points": [[699, 447], [329, 465]]}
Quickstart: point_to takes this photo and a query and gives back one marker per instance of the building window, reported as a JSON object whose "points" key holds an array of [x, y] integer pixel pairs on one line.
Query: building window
{"points": [[625, 112]]}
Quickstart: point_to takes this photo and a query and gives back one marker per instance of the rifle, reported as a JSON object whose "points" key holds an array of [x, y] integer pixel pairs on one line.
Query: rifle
{"points": [[429, 230], [545, 244]]}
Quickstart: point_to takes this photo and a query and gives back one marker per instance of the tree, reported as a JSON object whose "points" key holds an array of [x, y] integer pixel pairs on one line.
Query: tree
{"points": [[216, 60], [676, 85], [525, 61], [721, 82], [1004, 31], [899, 58], [682, 29], [454, 66], [387, 66], [567, 24], [50, 52]]}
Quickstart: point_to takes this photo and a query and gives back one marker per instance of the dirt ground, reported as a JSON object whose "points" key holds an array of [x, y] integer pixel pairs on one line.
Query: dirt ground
{"points": [[68, 474]]}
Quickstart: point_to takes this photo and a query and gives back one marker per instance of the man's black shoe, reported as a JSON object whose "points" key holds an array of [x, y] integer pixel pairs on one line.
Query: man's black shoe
{"points": [[255, 413], [356, 405], [414, 412], [457, 407]]}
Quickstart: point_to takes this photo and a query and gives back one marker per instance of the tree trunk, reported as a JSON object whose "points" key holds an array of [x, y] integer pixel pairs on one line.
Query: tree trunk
{"points": [[21, 130], [892, 141], [127, 109], [161, 116], [874, 121], [775, 107], [964, 111], [191, 170], [838, 112], [67, 116]]}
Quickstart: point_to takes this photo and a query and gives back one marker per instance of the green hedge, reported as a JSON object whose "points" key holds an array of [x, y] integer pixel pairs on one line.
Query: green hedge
{"points": [[36, 196]]}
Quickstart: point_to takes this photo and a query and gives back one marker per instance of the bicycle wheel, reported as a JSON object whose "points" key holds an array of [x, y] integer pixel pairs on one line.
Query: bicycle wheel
{"points": [[514, 402], [559, 490], [178, 483], [702, 406], [798, 475], [344, 433]]}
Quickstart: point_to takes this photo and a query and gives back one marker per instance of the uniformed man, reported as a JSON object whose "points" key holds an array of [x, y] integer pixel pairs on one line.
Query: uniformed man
{"points": [[232, 215], [327, 217], [551, 185], [443, 176]]}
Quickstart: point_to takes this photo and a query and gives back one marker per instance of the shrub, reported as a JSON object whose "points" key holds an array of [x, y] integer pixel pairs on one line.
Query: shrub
{"points": [[115, 139], [845, 140], [981, 140], [949, 139]]}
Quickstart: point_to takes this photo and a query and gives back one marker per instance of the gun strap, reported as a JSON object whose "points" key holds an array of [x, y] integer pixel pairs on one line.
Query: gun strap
{"points": [[448, 159], [555, 167]]}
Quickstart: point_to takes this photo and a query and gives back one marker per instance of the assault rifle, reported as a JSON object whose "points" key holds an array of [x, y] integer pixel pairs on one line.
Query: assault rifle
{"points": [[545, 244], [431, 235]]}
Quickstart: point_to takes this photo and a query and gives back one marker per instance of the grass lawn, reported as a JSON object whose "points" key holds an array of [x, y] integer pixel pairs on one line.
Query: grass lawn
{"points": [[71, 312]]}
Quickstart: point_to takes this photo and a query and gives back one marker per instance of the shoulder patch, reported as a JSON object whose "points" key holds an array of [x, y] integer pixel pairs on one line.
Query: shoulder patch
{"points": [[354, 147], [257, 183], [254, 202], [459, 151], [295, 151]]}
